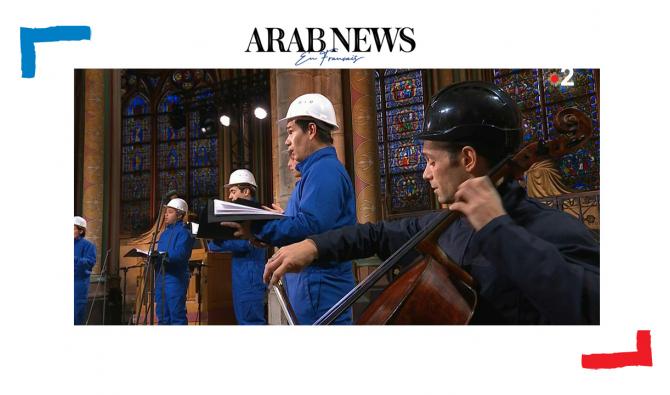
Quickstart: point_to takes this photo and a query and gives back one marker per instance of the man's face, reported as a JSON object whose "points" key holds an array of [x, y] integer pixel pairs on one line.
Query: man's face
{"points": [[235, 192], [297, 141], [76, 231], [171, 216], [443, 174]]}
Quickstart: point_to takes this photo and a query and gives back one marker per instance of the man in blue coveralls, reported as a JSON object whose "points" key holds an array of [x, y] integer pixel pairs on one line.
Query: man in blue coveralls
{"points": [[172, 275], [248, 261], [532, 264], [84, 260], [323, 199]]}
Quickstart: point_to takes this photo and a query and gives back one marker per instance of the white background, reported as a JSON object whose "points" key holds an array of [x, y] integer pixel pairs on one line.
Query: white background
{"points": [[42, 351]]}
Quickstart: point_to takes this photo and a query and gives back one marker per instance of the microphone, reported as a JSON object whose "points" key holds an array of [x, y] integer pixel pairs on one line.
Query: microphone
{"points": [[169, 193]]}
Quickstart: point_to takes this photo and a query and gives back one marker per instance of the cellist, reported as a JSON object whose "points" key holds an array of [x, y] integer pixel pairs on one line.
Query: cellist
{"points": [[532, 264]]}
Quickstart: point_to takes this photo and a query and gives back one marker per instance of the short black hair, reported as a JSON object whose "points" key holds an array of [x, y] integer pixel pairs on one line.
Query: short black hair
{"points": [[323, 130], [492, 153]]}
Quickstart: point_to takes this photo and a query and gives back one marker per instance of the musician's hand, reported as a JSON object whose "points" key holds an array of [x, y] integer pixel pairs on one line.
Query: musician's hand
{"points": [[292, 258], [479, 201], [242, 230], [275, 208]]}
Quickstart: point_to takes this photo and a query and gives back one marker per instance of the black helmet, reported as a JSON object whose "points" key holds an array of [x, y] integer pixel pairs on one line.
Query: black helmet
{"points": [[473, 112]]}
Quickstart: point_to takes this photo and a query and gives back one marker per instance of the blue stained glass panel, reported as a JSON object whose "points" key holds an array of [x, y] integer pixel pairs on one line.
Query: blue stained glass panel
{"points": [[204, 152], [169, 103], [409, 192], [166, 132], [204, 181], [382, 160], [380, 146], [581, 169], [378, 96], [137, 130], [405, 155], [198, 204], [532, 126], [380, 128], [402, 123], [523, 86], [194, 123], [401, 109], [403, 89], [171, 180], [153, 81], [135, 216], [137, 105], [171, 155], [204, 94], [135, 186], [136, 158]]}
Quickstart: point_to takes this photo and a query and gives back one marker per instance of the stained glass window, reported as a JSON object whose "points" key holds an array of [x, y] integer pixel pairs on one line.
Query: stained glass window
{"points": [[204, 173], [170, 150], [540, 95], [400, 113], [136, 162], [156, 156]]}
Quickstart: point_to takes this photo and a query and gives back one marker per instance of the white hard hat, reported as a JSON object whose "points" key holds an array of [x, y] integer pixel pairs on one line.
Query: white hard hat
{"points": [[80, 222], [178, 204], [241, 176], [313, 105]]}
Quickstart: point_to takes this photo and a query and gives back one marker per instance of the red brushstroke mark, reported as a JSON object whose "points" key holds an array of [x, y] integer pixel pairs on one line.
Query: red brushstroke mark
{"points": [[553, 78], [641, 357]]}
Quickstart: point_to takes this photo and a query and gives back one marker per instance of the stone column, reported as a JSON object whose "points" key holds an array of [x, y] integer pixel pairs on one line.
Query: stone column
{"points": [[288, 85], [441, 78], [94, 156], [114, 171], [329, 84], [366, 160]]}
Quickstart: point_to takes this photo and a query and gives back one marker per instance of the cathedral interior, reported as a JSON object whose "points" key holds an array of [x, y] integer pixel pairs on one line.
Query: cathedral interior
{"points": [[143, 133]]}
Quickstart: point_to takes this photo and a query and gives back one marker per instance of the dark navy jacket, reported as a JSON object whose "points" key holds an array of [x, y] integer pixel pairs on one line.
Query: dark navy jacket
{"points": [[535, 265]]}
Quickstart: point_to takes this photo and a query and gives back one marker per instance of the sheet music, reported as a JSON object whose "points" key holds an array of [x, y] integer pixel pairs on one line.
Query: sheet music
{"points": [[227, 208]]}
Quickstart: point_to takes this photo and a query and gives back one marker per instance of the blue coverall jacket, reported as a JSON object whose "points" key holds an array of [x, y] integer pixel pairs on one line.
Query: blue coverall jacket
{"points": [[323, 199], [84, 260], [176, 241], [248, 287], [535, 265]]}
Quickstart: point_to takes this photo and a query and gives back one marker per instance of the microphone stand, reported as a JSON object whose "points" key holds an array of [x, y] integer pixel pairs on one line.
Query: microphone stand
{"points": [[123, 302], [197, 269], [149, 277], [97, 286]]}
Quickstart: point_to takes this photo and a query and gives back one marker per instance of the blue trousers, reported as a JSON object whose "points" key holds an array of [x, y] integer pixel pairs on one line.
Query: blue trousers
{"points": [[315, 290], [172, 309], [249, 292], [80, 299]]}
